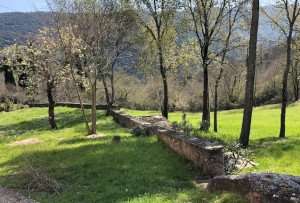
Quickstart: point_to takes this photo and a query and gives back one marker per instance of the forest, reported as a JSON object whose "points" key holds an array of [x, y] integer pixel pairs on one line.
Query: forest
{"points": [[151, 101]]}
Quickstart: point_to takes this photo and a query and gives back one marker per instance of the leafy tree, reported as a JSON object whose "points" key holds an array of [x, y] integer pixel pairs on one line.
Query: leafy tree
{"points": [[44, 65], [84, 28]]}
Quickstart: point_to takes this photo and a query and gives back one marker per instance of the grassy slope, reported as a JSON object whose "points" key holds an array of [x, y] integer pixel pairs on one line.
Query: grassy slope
{"points": [[137, 170], [271, 154]]}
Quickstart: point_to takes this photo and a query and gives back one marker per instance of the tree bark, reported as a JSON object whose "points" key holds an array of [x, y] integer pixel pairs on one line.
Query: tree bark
{"points": [[205, 124], [87, 126], [250, 80], [216, 102], [165, 105], [51, 113], [296, 84], [112, 84], [94, 110], [107, 97], [284, 101]]}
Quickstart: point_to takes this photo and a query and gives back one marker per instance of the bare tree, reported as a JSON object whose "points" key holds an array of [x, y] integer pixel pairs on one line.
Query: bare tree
{"points": [[157, 16], [250, 78], [287, 27], [233, 11], [207, 17], [295, 71], [121, 48]]}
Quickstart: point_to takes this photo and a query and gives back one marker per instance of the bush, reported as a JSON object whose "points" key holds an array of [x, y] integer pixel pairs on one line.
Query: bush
{"points": [[8, 105]]}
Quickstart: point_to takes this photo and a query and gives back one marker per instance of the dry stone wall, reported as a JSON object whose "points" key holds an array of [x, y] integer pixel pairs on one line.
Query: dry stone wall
{"points": [[206, 155], [73, 105]]}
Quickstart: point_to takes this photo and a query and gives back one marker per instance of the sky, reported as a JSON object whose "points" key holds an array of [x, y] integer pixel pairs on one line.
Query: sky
{"points": [[41, 5], [22, 5]]}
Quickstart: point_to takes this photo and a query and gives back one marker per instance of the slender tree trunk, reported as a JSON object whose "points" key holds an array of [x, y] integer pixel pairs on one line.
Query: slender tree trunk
{"points": [[251, 65], [216, 104], [108, 99], [112, 85], [94, 109], [284, 101], [297, 91], [51, 105], [295, 86], [205, 124], [165, 105], [87, 126]]}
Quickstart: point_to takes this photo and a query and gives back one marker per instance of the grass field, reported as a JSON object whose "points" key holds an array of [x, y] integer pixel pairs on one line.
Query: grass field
{"points": [[271, 154], [66, 167]]}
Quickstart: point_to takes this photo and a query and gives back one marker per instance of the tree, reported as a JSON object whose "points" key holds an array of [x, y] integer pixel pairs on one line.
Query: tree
{"points": [[157, 24], [250, 77], [207, 18], [84, 28], [295, 70], [233, 10], [121, 49], [287, 27], [41, 57], [9, 78]]}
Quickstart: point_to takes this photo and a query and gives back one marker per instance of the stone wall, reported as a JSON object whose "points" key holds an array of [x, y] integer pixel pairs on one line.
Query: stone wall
{"points": [[73, 105], [206, 155]]}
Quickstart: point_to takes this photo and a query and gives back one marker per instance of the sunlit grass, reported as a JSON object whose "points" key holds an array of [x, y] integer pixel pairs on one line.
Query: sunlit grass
{"points": [[136, 170], [271, 154]]}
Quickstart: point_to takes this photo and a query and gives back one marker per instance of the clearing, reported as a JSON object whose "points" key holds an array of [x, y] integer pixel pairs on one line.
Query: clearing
{"points": [[65, 166]]}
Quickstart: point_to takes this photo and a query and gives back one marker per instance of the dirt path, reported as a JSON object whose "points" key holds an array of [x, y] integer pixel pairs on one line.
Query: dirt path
{"points": [[10, 196]]}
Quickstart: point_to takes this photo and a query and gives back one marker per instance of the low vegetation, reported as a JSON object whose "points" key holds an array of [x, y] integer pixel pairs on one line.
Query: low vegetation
{"points": [[66, 166], [270, 153]]}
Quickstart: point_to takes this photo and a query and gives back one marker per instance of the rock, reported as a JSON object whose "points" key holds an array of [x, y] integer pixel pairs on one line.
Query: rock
{"points": [[260, 188], [10, 196], [95, 136], [139, 131]]}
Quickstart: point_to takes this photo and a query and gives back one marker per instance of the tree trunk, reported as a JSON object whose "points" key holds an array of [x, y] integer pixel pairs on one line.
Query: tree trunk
{"points": [[77, 85], [51, 114], [284, 101], [216, 107], [112, 85], [108, 99], [94, 110], [205, 124], [251, 64], [165, 105], [9, 78], [296, 86]]}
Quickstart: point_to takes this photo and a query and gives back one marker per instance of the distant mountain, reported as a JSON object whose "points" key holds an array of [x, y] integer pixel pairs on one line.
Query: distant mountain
{"points": [[17, 27]]}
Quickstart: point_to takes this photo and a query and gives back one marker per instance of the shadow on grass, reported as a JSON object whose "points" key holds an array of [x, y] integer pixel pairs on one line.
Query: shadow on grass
{"points": [[105, 172], [275, 147], [64, 120]]}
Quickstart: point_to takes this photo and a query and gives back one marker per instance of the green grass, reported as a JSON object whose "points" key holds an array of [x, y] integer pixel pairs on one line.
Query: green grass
{"points": [[138, 170], [271, 154]]}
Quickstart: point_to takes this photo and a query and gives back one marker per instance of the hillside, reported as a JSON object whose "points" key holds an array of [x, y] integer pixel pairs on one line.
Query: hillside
{"points": [[17, 27]]}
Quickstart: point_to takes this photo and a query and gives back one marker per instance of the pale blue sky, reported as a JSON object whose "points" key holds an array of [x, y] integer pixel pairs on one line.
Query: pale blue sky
{"points": [[37, 5], [22, 5]]}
